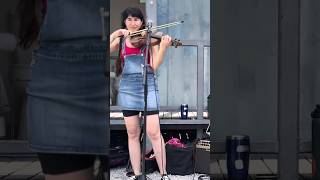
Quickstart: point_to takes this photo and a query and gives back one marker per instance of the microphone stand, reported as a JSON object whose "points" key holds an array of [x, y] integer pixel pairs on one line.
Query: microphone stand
{"points": [[145, 83]]}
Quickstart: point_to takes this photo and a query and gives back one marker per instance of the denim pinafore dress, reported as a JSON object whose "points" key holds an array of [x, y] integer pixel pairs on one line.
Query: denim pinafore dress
{"points": [[131, 87], [67, 95]]}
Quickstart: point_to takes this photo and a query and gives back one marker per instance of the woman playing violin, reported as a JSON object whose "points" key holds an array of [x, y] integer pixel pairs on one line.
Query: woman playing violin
{"points": [[131, 90]]}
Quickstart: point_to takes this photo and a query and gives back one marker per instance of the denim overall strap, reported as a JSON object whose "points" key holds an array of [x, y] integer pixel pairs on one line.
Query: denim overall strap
{"points": [[142, 49]]}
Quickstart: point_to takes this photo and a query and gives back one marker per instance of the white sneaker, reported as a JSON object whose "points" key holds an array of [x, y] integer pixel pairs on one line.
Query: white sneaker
{"points": [[132, 178], [165, 177]]}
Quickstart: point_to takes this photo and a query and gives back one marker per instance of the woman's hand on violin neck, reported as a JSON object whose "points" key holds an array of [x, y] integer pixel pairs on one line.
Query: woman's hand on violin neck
{"points": [[165, 41], [116, 34], [123, 32]]}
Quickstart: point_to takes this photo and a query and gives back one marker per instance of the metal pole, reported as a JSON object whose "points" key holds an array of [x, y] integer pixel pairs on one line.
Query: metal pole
{"points": [[145, 83], [288, 88]]}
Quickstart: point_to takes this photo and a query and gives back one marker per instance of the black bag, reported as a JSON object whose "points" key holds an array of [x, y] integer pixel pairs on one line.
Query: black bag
{"points": [[180, 161]]}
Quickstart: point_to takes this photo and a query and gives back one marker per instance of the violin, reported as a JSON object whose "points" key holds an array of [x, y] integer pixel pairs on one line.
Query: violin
{"points": [[139, 40]]}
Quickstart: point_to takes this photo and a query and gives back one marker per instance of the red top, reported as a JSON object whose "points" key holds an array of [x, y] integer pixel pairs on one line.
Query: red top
{"points": [[129, 51]]}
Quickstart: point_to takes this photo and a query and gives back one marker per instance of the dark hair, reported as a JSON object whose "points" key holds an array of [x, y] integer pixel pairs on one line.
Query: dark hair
{"points": [[134, 12], [31, 13]]}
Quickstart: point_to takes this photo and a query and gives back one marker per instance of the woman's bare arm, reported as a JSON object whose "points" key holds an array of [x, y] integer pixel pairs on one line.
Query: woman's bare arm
{"points": [[115, 39], [158, 53]]}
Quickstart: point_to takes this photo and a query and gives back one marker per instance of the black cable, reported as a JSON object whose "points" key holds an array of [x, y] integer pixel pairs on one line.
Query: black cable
{"points": [[161, 150], [194, 151], [146, 89]]}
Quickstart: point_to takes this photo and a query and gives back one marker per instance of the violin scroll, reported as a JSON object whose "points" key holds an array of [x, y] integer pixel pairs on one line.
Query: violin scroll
{"points": [[176, 43]]}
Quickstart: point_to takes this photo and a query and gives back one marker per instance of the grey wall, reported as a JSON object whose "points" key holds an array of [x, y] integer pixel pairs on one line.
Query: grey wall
{"points": [[245, 72], [310, 64], [178, 73], [245, 69]]}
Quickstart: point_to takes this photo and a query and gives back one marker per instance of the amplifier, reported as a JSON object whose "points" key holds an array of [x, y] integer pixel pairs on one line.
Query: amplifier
{"points": [[202, 157]]}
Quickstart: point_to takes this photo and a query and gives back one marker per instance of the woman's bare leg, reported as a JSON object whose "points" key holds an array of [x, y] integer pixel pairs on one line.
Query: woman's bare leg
{"points": [[133, 131], [153, 131]]}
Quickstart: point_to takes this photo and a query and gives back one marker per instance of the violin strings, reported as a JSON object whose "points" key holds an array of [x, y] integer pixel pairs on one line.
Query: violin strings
{"points": [[157, 27], [166, 25]]}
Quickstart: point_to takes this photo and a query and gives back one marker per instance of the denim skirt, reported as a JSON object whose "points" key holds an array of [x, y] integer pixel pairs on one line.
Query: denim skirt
{"points": [[67, 98], [131, 87]]}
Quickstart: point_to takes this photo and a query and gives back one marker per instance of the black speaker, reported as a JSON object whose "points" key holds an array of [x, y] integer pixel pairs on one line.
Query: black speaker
{"points": [[202, 157]]}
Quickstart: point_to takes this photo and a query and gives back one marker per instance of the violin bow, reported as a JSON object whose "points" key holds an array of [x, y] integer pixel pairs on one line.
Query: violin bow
{"points": [[157, 27]]}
